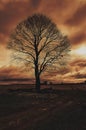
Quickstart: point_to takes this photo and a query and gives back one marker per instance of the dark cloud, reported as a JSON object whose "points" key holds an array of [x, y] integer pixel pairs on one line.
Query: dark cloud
{"points": [[10, 72], [35, 3], [79, 63], [78, 17], [82, 64], [79, 76], [55, 9], [78, 38], [13, 13], [63, 71]]}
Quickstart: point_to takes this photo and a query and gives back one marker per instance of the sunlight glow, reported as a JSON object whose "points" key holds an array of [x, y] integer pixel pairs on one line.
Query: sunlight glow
{"points": [[80, 51]]}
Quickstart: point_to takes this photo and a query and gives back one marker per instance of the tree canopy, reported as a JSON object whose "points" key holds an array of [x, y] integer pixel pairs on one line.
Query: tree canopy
{"points": [[39, 43]]}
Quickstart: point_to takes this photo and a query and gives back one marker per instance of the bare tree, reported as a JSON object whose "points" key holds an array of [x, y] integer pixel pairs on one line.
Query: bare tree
{"points": [[38, 43]]}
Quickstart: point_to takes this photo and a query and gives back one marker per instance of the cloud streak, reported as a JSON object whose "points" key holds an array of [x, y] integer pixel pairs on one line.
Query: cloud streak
{"points": [[78, 17], [78, 37]]}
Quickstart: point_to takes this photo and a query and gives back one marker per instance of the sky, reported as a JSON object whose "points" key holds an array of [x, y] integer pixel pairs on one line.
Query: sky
{"points": [[70, 18]]}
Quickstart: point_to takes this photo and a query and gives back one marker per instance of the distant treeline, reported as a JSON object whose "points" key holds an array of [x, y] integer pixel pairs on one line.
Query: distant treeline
{"points": [[16, 79]]}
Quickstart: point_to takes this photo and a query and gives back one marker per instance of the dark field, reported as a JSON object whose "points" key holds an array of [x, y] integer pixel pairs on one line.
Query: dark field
{"points": [[59, 107]]}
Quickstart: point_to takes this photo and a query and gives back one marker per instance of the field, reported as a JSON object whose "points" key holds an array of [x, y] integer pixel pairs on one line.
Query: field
{"points": [[58, 107]]}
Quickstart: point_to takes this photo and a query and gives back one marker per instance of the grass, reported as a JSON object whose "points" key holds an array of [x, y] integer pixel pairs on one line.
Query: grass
{"points": [[21, 108]]}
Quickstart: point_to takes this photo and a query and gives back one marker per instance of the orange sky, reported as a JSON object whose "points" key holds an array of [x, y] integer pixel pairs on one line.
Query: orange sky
{"points": [[70, 17]]}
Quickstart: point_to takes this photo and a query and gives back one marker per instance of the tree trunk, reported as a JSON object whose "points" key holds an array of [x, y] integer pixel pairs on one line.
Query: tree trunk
{"points": [[37, 83], [37, 79]]}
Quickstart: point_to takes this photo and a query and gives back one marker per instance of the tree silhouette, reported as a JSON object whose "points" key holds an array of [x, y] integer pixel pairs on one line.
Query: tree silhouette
{"points": [[38, 43]]}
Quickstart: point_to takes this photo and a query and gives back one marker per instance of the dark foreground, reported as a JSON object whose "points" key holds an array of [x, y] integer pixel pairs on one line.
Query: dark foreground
{"points": [[52, 109]]}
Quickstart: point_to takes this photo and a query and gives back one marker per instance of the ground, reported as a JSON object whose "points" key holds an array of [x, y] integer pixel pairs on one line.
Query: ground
{"points": [[60, 107]]}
